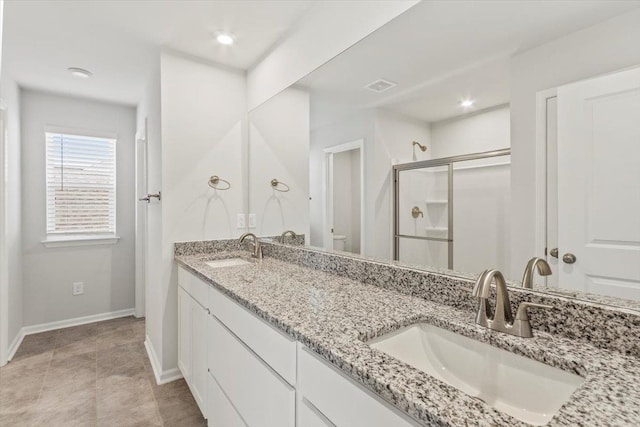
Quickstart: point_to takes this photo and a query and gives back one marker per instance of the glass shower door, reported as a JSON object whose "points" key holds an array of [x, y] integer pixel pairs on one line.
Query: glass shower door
{"points": [[423, 216]]}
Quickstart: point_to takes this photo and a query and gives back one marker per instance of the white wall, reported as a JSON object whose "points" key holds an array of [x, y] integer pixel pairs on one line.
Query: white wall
{"points": [[106, 270], [356, 190], [201, 132], [388, 137], [394, 135], [482, 131], [326, 30], [358, 126], [603, 48], [11, 251], [279, 135], [346, 193]]}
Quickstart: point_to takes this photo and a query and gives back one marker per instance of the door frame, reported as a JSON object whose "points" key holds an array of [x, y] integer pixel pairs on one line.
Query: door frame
{"points": [[542, 99], [140, 224], [4, 263], [327, 191]]}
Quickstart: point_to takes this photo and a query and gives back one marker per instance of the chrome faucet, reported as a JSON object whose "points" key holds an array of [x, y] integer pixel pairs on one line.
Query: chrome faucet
{"points": [[543, 269], [257, 247], [502, 320], [284, 234]]}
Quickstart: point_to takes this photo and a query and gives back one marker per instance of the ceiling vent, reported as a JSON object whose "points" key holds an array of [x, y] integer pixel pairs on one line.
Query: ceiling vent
{"points": [[380, 85]]}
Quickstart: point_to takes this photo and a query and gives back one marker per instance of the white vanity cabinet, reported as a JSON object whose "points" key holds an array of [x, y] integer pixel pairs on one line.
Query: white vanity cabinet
{"points": [[329, 398], [257, 376], [252, 364], [192, 335]]}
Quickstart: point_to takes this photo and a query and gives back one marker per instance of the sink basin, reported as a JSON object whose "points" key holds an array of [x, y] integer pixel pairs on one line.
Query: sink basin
{"points": [[229, 262], [523, 388]]}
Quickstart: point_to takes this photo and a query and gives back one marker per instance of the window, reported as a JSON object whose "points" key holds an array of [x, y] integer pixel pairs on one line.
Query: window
{"points": [[81, 186]]}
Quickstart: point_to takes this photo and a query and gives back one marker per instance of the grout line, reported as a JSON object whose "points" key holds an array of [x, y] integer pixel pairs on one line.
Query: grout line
{"points": [[46, 374]]}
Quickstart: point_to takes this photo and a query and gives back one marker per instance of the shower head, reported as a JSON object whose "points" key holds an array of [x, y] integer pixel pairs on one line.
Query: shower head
{"points": [[422, 147]]}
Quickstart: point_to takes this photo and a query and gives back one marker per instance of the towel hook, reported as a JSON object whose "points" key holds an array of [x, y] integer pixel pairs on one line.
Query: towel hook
{"points": [[215, 180], [275, 183]]}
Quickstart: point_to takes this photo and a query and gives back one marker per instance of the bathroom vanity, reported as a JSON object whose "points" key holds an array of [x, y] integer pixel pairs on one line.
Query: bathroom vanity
{"points": [[305, 337]]}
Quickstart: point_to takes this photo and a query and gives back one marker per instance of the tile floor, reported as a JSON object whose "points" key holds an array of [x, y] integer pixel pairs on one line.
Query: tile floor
{"points": [[91, 375]]}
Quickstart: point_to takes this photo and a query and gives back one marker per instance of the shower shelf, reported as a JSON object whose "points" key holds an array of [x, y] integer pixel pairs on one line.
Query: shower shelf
{"points": [[438, 229]]}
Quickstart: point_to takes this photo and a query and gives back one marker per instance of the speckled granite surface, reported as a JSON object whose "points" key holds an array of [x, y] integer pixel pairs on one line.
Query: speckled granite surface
{"points": [[334, 316], [594, 322]]}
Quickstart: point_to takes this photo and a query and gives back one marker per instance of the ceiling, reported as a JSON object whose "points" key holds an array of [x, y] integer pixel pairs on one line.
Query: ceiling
{"points": [[441, 52], [118, 41]]}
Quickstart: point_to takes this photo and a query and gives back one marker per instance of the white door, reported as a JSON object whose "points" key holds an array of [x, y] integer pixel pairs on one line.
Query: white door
{"points": [[599, 185], [141, 225]]}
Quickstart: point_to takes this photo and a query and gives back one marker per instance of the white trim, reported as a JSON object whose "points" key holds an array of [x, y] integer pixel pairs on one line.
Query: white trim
{"points": [[541, 168], [327, 182], [66, 241], [61, 324], [81, 132], [140, 231], [17, 341], [4, 257], [162, 377]]}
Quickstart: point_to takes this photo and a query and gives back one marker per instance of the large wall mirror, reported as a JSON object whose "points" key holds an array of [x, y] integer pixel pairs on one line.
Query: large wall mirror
{"points": [[500, 145]]}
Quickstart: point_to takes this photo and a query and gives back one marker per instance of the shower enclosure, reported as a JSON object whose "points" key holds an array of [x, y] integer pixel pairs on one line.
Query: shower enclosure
{"points": [[453, 212]]}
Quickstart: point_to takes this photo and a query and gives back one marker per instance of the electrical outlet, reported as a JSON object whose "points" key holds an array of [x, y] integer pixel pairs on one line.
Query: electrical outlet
{"points": [[78, 288], [242, 222], [252, 220]]}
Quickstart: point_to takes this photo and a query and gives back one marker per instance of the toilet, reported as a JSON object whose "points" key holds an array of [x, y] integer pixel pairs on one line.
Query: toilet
{"points": [[338, 242]]}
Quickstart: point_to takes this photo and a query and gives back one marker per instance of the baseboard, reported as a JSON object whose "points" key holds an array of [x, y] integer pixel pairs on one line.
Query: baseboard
{"points": [[162, 377], [15, 344], [61, 324]]}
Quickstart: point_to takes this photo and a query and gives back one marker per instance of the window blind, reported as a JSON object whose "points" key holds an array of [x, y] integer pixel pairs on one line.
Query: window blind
{"points": [[81, 184]]}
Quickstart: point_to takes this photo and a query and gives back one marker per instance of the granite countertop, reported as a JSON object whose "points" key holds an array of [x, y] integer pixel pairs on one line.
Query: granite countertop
{"points": [[335, 316]]}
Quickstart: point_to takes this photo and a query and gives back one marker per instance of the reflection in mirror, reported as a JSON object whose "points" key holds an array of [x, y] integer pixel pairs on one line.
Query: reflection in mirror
{"points": [[279, 150], [512, 166]]}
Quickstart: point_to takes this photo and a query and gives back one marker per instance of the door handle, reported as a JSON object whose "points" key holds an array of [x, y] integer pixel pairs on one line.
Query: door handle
{"points": [[150, 196], [554, 252], [568, 258]]}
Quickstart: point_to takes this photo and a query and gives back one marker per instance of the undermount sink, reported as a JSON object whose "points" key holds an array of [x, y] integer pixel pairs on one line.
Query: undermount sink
{"points": [[523, 388], [229, 262]]}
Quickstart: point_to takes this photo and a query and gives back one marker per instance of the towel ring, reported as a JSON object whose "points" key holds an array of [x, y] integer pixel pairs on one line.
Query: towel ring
{"points": [[275, 183], [215, 180]]}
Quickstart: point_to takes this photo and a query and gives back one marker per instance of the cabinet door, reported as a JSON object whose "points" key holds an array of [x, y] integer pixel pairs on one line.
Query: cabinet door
{"points": [[199, 354], [261, 397], [184, 334]]}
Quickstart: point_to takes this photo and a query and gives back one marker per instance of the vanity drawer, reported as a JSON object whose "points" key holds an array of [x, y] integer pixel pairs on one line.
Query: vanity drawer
{"points": [[275, 348], [197, 288], [222, 413], [341, 399], [261, 397], [309, 416]]}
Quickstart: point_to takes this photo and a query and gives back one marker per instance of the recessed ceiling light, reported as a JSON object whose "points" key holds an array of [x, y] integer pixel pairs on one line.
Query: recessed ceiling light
{"points": [[80, 72], [467, 103], [225, 39]]}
